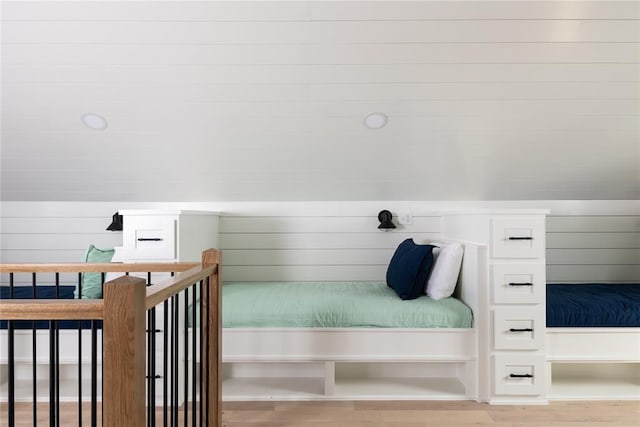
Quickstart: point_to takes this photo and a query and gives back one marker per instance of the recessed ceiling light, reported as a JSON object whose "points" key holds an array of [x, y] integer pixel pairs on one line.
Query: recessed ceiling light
{"points": [[94, 121], [375, 120]]}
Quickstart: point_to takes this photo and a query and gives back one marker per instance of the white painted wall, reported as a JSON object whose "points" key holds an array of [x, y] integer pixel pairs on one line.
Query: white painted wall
{"points": [[586, 241]]}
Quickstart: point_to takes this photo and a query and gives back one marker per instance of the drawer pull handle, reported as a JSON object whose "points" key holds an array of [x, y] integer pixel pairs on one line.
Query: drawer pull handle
{"points": [[155, 330], [521, 376], [149, 239], [520, 330], [520, 284], [156, 376], [520, 238]]}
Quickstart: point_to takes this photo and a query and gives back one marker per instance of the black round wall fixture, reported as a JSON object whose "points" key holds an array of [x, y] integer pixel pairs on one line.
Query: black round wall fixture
{"points": [[385, 217]]}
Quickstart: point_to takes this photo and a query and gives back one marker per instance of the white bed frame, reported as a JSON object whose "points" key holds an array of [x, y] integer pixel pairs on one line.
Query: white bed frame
{"points": [[360, 363]]}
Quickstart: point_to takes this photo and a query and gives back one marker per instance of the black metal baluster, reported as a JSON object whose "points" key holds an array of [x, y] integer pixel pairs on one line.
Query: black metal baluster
{"points": [[202, 357], [208, 347], [171, 357], [152, 350], [186, 356], [165, 370], [148, 365], [11, 354], [176, 344], [80, 356], [57, 353], [52, 373], [194, 344], [94, 373], [35, 353]]}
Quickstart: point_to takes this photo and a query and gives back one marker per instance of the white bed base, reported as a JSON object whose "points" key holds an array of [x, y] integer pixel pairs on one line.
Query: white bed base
{"points": [[593, 363], [359, 363]]}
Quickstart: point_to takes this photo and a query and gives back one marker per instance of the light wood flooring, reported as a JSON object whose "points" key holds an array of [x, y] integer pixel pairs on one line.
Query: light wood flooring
{"points": [[391, 414], [432, 413]]}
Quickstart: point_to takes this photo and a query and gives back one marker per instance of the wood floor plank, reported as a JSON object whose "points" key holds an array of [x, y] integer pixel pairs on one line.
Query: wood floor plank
{"points": [[386, 414]]}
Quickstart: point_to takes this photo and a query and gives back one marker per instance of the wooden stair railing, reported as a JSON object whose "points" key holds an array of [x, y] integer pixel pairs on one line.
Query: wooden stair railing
{"points": [[123, 309]]}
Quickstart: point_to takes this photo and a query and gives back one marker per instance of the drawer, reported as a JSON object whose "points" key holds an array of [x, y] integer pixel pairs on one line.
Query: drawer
{"points": [[149, 237], [518, 328], [516, 374], [517, 237], [518, 283]]}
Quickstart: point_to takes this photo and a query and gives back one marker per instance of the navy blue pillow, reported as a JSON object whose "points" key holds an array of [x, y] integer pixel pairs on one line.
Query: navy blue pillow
{"points": [[409, 268]]}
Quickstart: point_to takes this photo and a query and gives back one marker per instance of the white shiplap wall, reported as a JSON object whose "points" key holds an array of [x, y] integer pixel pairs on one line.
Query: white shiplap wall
{"points": [[586, 241], [264, 100], [593, 248]]}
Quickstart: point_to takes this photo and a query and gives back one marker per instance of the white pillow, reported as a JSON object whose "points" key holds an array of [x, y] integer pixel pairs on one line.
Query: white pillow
{"points": [[443, 277]]}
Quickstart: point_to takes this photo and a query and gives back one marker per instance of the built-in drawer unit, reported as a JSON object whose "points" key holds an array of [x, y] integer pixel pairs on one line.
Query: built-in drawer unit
{"points": [[519, 374], [515, 325], [518, 328], [518, 283], [517, 237], [150, 237]]}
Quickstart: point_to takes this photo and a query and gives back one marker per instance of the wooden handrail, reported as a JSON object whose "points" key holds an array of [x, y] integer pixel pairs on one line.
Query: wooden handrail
{"points": [[29, 309], [116, 267], [164, 290]]}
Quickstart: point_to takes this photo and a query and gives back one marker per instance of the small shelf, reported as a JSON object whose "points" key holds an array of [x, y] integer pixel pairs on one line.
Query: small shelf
{"points": [[409, 380], [595, 381], [273, 388], [401, 388]]}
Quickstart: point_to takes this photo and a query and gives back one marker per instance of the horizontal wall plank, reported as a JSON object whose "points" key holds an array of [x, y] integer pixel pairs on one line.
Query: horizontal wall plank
{"points": [[22, 95], [321, 31], [315, 54], [326, 224], [41, 256], [329, 257], [593, 273], [287, 10], [309, 273], [593, 256], [622, 240], [306, 74], [543, 124], [47, 225], [59, 241], [379, 240], [593, 224], [352, 110]]}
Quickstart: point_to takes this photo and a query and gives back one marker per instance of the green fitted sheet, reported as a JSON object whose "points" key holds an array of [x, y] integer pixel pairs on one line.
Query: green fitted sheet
{"points": [[335, 305]]}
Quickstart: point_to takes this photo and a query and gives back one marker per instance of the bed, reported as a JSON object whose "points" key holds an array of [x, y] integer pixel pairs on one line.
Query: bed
{"points": [[593, 340], [393, 360], [346, 352]]}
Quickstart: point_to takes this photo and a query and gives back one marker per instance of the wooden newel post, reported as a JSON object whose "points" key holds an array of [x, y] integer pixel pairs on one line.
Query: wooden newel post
{"points": [[212, 333], [123, 402]]}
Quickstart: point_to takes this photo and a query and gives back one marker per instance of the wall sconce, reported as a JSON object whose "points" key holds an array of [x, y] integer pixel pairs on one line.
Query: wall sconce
{"points": [[386, 224], [116, 223]]}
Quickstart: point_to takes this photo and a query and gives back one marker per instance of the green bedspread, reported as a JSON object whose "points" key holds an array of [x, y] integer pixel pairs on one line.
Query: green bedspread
{"points": [[335, 305]]}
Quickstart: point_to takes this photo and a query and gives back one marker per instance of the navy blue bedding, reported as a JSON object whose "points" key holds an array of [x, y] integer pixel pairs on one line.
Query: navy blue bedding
{"points": [[42, 292], [593, 305]]}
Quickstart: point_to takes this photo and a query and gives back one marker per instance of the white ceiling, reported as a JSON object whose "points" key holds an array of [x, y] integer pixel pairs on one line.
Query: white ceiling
{"points": [[265, 100]]}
